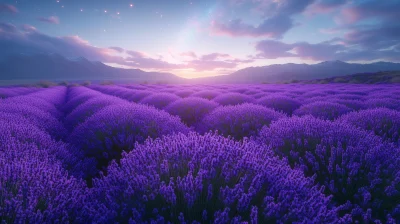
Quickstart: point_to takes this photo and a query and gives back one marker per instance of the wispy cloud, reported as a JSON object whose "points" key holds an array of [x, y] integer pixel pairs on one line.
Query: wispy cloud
{"points": [[6, 8], [28, 39], [51, 19]]}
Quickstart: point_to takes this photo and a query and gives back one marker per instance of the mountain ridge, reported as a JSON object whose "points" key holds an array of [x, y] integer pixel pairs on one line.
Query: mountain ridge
{"points": [[54, 67], [288, 72]]}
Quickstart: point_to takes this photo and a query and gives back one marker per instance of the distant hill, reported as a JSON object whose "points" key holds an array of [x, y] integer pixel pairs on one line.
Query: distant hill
{"points": [[54, 67], [289, 72], [24, 68], [386, 77]]}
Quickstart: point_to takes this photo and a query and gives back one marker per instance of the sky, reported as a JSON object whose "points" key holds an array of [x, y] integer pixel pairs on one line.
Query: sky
{"points": [[197, 38]]}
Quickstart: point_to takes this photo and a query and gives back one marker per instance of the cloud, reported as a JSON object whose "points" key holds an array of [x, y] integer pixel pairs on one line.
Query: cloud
{"points": [[29, 40], [375, 37], [368, 30], [51, 19], [324, 6], [273, 49], [273, 27], [118, 49], [214, 56], [386, 11], [345, 49], [276, 19], [189, 54], [8, 28], [6, 8]]}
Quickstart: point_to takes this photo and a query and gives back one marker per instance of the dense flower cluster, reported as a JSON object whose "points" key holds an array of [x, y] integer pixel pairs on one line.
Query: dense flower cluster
{"points": [[239, 121], [88, 108], [356, 167], [34, 188], [207, 94], [76, 96], [99, 154], [382, 121], [192, 109], [322, 110], [124, 93], [208, 179], [159, 100], [280, 103], [16, 91], [116, 128], [184, 93], [233, 99]]}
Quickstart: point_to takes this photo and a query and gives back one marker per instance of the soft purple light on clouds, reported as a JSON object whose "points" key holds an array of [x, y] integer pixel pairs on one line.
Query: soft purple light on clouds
{"points": [[201, 38], [6, 8], [51, 19]]}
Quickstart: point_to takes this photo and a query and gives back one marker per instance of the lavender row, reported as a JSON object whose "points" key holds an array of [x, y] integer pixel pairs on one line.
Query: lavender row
{"points": [[358, 168], [6, 92], [40, 177]]}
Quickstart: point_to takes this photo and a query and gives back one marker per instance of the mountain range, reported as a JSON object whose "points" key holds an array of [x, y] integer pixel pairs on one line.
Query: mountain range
{"points": [[54, 67], [290, 72]]}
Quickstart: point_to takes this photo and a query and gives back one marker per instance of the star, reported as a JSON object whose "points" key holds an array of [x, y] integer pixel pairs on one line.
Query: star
{"points": [[131, 5], [105, 11], [81, 10]]}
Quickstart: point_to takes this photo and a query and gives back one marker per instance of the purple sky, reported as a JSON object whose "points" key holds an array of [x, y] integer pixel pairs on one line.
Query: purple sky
{"points": [[203, 37]]}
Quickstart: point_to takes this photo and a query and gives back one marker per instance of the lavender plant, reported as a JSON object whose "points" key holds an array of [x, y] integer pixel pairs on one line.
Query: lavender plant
{"points": [[356, 167], [192, 109], [117, 127], [208, 179], [239, 121], [322, 110]]}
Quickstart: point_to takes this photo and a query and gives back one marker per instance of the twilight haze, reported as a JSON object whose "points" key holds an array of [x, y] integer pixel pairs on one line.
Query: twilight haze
{"points": [[197, 38]]}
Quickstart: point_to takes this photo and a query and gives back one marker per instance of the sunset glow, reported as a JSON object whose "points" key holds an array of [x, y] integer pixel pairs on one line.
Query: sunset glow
{"points": [[252, 33]]}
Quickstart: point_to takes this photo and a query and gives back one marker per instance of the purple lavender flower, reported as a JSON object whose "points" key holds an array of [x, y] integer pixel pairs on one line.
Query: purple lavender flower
{"points": [[198, 165], [239, 121], [349, 162], [192, 109], [117, 127], [322, 110]]}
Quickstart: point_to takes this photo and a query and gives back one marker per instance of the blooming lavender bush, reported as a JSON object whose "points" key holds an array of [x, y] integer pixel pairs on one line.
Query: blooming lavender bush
{"points": [[90, 107], [191, 110], [184, 93], [41, 119], [55, 96], [280, 103], [34, 188], [296, 170], [17, 128], [322, 110], [356, 167], [233, 99], [352, 104], [207, 94], [15, 91], [77, 96], [385, 102], [139, 95], [41, 104], [159, 100], [117, 127], [208, 179], [382, 121], [239, 121]]}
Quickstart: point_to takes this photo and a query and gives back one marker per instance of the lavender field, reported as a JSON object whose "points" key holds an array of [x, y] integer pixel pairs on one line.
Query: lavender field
{"points": [[270, 153]]}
